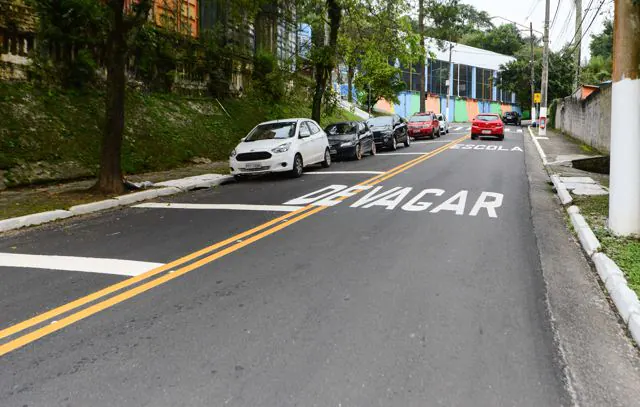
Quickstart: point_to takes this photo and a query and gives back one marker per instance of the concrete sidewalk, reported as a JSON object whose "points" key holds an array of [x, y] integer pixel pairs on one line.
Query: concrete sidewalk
{"points": [[562, 150]]}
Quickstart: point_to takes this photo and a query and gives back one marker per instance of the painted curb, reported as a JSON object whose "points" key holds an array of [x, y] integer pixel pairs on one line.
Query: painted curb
{"points": [[170, 188], [586, 236], [33, 219], [634, 327], [94, 206], [136, 197], [625, 300]]}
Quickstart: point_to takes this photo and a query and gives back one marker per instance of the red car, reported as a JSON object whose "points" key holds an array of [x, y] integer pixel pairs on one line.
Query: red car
{"points": [[487, 124], [424, 125]]}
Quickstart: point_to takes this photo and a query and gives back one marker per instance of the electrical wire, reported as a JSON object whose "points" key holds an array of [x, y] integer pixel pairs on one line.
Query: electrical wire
{"points": [[586, 12], [532, 9], [555, 15], [588, 27]]}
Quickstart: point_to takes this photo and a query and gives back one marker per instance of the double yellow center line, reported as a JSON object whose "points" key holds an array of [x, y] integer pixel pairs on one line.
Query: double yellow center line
{"points": [[229, 245]]}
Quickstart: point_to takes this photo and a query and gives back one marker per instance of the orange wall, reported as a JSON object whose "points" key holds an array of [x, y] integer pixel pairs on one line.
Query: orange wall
{"points": [[165, 11]]}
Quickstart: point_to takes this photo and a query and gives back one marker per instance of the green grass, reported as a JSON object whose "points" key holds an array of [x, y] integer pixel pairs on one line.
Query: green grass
{"points": [[162, 131], [625, 251]]}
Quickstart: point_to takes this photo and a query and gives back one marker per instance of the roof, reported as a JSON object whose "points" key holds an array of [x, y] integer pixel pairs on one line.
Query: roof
{"points": [[293, 119], [466, 55]]}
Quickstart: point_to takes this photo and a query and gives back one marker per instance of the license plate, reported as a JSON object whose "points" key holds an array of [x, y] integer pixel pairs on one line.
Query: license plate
{"points": [[253, 165], [333, 151], [486, 131]]}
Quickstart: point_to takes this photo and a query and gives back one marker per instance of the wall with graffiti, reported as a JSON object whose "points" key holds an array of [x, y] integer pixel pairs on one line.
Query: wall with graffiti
{"points": [[460, 109]]}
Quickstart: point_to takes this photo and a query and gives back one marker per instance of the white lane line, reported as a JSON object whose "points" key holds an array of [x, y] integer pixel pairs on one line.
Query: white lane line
{"points": [[541, 138], [458, 128], [72, 263], [543, 156], [342, 172], [519, 130], [233, 207], [403, 153]]}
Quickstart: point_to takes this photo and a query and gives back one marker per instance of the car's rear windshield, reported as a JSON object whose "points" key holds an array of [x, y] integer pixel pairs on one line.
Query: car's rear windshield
{"points": [[421, 118], [510, 114], [486, 117], [269, 131], [381, 121], [340, 128]]}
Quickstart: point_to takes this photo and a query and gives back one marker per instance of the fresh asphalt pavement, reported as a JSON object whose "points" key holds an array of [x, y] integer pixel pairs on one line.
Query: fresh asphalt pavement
{"points": [[388, 302]]}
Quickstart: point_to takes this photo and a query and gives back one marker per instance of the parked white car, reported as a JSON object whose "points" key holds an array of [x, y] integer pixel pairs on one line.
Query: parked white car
{"points": [[286, 145], [444, 124]]}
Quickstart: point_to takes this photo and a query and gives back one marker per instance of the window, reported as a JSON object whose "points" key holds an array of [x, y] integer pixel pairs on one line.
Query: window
{"points": [[462, 80], [304, 130], [280, 130], [438, 72], [484, 84], [314, 129]]}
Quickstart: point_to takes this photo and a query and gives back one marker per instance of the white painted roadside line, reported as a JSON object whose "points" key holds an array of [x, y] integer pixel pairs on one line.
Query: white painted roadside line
{"points": [[543, 156], [72, 263], [342, 172], [171, 187], [233, 207]]}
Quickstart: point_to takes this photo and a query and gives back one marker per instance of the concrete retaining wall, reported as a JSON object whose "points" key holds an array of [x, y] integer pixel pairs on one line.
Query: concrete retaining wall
{"points": [[588, 120]]}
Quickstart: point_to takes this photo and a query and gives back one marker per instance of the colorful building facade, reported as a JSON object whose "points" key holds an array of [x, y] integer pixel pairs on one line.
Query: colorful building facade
{"points": [[475, 84]]}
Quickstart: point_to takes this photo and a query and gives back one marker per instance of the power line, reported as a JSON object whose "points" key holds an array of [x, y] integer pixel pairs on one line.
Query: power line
{"points": [[583, 18], [556, 14], [532, 9], [588, 27], [565, 26]]}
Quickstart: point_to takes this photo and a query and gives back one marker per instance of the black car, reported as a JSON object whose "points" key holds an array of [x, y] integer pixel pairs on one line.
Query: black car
{"points": [[389, 131], [512, 118], [350, 140]]}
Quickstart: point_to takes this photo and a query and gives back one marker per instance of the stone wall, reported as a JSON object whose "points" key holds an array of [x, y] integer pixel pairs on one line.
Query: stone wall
{"points": [[589, 119]]}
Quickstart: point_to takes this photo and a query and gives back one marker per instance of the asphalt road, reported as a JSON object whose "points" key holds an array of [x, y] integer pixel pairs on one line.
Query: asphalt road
{"points": [[385, 301]]}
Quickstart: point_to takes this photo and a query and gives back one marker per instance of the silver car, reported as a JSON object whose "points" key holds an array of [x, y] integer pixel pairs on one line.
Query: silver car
{"points": [[444, 124]]}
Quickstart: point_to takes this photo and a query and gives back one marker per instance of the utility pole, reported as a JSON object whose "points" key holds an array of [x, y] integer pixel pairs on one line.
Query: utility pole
{"points": [[533, 76], [542, 127], [450, 86], [578, 35], [624, 185], [421, 65]]}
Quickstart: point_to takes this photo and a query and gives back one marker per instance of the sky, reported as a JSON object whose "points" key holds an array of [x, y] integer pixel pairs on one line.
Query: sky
{"points": [[563, 30]]}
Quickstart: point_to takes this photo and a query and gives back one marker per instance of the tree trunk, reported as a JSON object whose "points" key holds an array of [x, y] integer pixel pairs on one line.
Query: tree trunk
{"points": [[324, 66], [350, 74], [422, 59], [110, 177]]}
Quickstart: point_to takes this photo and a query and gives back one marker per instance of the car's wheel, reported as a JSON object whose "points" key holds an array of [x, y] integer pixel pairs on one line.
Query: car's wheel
{"points": [[447, 130], [407, 141], [373, 149], [238, 177], [501, 137], [358, 152], [474, 137], [394, 143], [326, 163], [298, 167]]}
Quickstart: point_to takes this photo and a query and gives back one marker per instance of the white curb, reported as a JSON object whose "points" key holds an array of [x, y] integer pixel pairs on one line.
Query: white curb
{"points": [[171, 187], [33, 219], [634, 327], [94, 206], [588, 240], [625, 299]]}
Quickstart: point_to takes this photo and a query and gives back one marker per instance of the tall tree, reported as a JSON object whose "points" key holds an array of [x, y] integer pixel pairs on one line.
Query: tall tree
{"points": [[503, 39], [122, 26], [323, 50]]}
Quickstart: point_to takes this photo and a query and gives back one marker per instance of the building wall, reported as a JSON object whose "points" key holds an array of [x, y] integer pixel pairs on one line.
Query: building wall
{"points": [[181, 15], [588, 120], [462, 109]]}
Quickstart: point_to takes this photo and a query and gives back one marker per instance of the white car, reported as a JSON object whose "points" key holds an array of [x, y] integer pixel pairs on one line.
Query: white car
{"points": [[286, 145], [444, 124]]}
